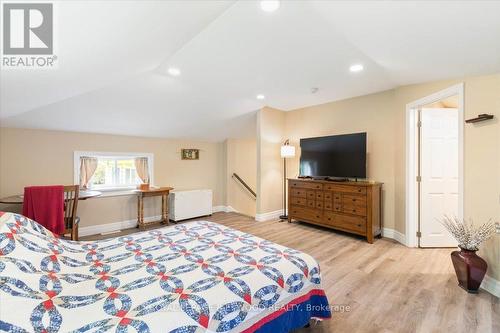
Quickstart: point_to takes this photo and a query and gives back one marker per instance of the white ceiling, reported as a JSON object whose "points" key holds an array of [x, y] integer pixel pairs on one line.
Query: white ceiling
{"points": [[113, 57]]}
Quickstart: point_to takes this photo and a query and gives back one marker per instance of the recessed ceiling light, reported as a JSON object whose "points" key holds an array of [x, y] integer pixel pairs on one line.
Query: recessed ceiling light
{"points": [[174, 71], [356, 68], [269, 5], [260, 96]]}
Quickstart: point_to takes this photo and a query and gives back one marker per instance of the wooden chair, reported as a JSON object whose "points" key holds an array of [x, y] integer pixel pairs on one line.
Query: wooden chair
{"points": [[71, 221]]}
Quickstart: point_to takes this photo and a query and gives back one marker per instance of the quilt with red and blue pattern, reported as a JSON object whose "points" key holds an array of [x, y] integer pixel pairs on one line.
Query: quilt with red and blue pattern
{"points": [[191, 277]]}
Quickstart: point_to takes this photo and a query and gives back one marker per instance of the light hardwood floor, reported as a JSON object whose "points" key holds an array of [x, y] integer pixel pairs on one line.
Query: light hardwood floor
{"points": [[385, 286]]}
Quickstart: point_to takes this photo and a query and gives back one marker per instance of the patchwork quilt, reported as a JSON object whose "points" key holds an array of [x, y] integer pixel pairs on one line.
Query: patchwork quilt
{"points": [[191, 277]]}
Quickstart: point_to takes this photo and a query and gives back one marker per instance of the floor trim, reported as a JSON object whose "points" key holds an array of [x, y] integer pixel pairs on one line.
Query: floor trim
{"points": [[225, 209], [268, 216], [491, 285], [114, 226], [120, 225], [394, 234]]}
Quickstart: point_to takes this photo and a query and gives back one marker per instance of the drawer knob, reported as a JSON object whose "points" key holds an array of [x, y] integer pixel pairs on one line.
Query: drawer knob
{"points": [[354, 200], [359, 225], [329, 219], [359, 190], [354, 210], [317, 216]]}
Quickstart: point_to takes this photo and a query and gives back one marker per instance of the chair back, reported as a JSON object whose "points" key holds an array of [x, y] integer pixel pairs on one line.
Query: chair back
{"points": [[71, 193]]}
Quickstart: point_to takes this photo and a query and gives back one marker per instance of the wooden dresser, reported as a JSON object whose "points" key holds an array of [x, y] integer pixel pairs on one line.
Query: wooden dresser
{"points": [[353, 207]]}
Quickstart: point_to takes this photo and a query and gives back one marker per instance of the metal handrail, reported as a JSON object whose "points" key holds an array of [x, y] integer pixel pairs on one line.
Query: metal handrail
{"points": [[244, 184]]}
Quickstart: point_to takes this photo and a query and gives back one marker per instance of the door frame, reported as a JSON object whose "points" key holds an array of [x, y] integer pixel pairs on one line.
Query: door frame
{"points": [[412, 189]]}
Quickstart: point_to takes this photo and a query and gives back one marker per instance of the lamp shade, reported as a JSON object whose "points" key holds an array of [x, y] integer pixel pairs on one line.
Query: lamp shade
{"points": [[287, 151]]}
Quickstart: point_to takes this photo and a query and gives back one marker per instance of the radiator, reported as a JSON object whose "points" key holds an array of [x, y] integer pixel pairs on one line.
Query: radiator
{"points": [[189, 204]]}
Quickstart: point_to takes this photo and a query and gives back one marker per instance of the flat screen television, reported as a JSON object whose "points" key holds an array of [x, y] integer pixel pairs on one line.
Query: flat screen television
{"points": [[336, 156]]}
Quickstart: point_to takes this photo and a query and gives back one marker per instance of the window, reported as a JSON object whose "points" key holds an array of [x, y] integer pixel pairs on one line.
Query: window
{"points": [[113, 171]]}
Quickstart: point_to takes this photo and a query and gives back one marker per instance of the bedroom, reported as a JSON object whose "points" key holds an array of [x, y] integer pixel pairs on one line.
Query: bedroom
{"points": [[202, 91]]}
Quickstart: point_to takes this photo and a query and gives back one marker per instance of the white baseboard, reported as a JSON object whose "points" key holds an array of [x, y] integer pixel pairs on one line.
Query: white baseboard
{"points": [[491, 285], [268, 216], [114, 226], [127, 224], [394, 234], [225, 209]]}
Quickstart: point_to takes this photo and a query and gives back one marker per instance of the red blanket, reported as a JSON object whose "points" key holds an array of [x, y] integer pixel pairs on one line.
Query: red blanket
{"points": [[45, 204]]}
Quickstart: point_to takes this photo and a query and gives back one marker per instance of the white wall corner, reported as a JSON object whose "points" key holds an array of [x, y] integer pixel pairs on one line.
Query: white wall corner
{"points": [[491, 285], [216, 209], [230, 209], [268, 216], [225, 209], [394, 234]]}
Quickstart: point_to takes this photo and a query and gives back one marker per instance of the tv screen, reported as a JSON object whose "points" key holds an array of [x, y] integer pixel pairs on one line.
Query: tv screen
{"points": [[334, 156]]}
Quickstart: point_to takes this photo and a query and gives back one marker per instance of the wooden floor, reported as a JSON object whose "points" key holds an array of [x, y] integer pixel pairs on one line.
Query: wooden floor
{"points": [[380, 287]]}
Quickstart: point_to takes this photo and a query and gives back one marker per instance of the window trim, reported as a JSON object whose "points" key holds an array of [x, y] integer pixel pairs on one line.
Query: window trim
{"points": [[76, 166]]}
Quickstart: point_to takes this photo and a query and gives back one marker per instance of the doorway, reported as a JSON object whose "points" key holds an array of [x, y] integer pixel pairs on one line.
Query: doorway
{"points": [[434, 166]]}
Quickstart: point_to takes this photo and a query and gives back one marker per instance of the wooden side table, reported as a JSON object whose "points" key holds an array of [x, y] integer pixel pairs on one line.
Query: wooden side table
{"points": [[152, 192]]}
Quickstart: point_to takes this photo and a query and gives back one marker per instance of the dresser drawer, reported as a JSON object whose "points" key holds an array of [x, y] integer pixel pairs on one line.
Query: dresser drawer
{"points": [[328, 195], [311, 195], [306, 214], [319, 204], [308, 185], [354, 200], [356, 210], [328, 205], [296, 192], [351, 223], [350, 189], [319, 195], [298, 201], [311, 203]]}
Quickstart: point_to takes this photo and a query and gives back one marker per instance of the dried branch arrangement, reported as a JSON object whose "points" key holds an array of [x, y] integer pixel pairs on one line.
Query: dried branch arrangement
{"points": [[468, 235]]}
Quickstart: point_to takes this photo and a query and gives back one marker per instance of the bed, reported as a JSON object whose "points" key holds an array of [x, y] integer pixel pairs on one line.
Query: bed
{"points": [[191, 277]]}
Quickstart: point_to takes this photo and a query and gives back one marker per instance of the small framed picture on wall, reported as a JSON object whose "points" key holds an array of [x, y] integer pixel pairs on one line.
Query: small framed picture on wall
{"points": [[190, 154]]}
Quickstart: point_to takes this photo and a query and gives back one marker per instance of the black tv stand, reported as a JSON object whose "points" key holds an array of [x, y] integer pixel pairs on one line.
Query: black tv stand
{"points": [[330, 179]]}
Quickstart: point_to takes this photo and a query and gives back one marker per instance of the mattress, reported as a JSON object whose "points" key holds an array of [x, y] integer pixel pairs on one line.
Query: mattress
{"points": [[191, 277]]}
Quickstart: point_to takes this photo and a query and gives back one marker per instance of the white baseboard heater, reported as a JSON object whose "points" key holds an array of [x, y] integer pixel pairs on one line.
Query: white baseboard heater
{"points": [[189, 204]]}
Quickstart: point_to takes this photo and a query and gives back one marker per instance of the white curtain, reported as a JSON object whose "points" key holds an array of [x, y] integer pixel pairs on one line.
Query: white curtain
{"points": [[142, 168], [87, 169]]}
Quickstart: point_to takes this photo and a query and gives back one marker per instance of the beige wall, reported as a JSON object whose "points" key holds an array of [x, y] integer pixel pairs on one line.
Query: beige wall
{"points": [[270, 136], [481, 154], [241, 158], [382, 116], [36, 157], [370, 114]]}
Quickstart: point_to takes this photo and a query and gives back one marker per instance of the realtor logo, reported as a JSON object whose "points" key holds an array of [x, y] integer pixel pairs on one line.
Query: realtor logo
{"points": [[28, 29]]}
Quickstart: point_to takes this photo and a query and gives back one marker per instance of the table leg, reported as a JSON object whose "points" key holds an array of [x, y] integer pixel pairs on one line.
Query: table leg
{"points": [[164, 209], [140, 212]]}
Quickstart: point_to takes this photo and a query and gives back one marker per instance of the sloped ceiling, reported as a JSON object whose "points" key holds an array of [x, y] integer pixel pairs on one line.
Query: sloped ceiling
{"points": [[113, 58]]}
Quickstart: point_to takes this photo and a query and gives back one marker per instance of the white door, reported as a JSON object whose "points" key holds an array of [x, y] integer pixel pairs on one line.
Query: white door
{"points": [[439, 171]]}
